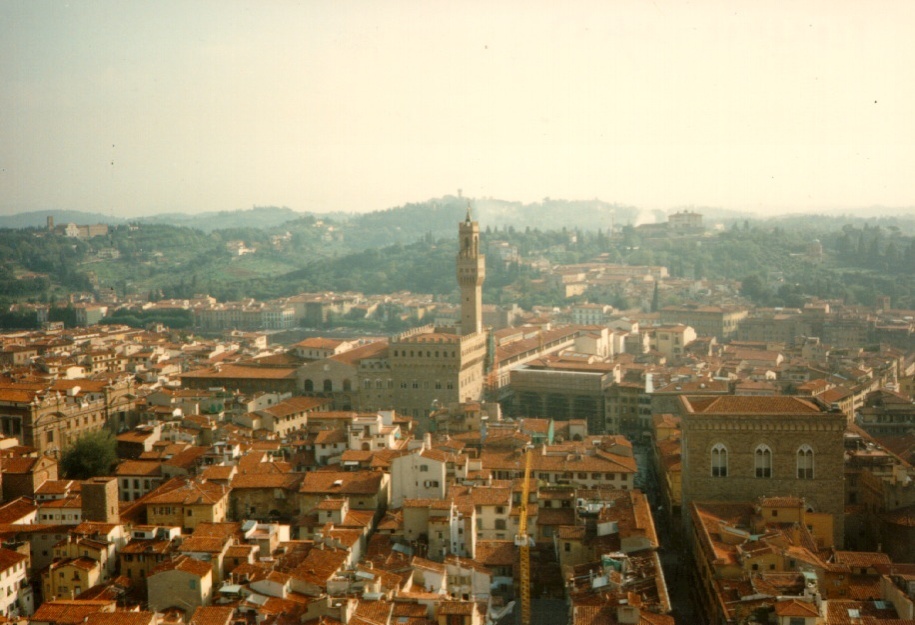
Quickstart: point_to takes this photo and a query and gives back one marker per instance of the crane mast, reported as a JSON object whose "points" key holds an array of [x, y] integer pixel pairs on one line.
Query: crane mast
{"points": [[523, 542]]}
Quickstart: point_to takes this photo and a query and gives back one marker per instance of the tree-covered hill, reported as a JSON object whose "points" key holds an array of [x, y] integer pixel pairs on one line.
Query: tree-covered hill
{"points": [[412, 248]]}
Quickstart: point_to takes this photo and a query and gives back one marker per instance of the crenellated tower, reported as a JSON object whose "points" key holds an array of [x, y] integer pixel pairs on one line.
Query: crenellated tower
{"points": [[471, 271]]}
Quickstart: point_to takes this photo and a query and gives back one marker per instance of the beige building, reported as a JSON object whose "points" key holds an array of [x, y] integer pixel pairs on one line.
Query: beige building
{"points": [[671, 341], [718, 321], [366, 490], [66, 578], [139, 557], [183, 583], [185, 503]]}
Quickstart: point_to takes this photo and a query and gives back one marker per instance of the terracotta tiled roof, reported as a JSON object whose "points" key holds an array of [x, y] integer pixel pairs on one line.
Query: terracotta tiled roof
{"points": [[740, 404], [69, 611], [146, 546], [287, 481], [242, 372], [212, 615], [121, 617], [16, 510], [377, 349], [492, 553], [219, 472], [861, 559], [343, 482], [329, 437], [295, 405], [320, 565], [203, 544], [18, 465], [319, 342], [185, 564], [187, 458], [186, 492], [9, 558], [146, 468]]}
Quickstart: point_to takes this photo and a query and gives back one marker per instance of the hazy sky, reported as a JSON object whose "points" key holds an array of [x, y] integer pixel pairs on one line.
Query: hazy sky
{"points": [[133, 108]]}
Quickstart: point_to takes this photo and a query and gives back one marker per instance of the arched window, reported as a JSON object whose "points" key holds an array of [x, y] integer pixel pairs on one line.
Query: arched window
{"points": [[309, 385], [328, 386], [762, 460], [347, 385], [719, 461], [805, 463]]}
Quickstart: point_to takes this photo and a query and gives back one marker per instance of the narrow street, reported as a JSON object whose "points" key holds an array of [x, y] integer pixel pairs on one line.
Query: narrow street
{"points": [[672, 551], [543, 612]]}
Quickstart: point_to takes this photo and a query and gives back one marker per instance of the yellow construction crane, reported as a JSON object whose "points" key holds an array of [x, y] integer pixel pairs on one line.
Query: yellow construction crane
{"points": [[523, 542]]}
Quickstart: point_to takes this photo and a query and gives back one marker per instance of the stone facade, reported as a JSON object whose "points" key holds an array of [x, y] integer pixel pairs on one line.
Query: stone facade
{"points": [[49, 417], [742, 448], [100, 500], [428, 366]]}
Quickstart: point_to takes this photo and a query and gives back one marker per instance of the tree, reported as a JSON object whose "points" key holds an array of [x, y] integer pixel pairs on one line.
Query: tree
{"points": [[754, 288], [90, 455]]}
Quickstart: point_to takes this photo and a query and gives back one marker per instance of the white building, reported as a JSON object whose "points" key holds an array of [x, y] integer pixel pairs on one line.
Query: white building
{"points": [[418, 475], [15, 592]]}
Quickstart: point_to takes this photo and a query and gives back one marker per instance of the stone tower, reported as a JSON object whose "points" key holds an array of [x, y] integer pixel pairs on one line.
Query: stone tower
{"points": [[471, 271], [100, 500]]}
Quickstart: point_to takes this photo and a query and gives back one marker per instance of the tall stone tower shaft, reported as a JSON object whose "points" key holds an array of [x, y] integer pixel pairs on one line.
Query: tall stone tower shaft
{"points": [[471, 271]]}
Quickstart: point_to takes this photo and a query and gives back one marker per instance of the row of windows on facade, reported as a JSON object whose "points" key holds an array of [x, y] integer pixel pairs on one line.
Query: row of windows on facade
{"points": [[762, 461], [328, 385], [419, 353]]}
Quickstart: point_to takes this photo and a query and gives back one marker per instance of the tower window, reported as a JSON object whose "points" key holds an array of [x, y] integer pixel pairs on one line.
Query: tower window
{"points": [[762, 460], [719, 461], [805, 463]]}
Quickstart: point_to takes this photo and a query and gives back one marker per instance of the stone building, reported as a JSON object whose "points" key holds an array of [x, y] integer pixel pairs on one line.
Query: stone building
{"points": [[100, 500], [740, 448], [421, 368], [433, 368], [49, 416]]}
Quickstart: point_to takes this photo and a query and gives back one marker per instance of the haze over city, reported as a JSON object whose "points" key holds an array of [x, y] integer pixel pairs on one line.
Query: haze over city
{"points": [[130, 108]]}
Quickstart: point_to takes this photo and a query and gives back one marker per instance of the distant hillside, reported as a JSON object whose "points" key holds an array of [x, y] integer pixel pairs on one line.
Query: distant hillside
{"points": [[438, 218], [260, 217], [39, 219]]}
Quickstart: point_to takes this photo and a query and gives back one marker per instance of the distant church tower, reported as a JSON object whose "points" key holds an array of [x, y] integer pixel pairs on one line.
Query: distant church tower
{"points": [[471, 271]]}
